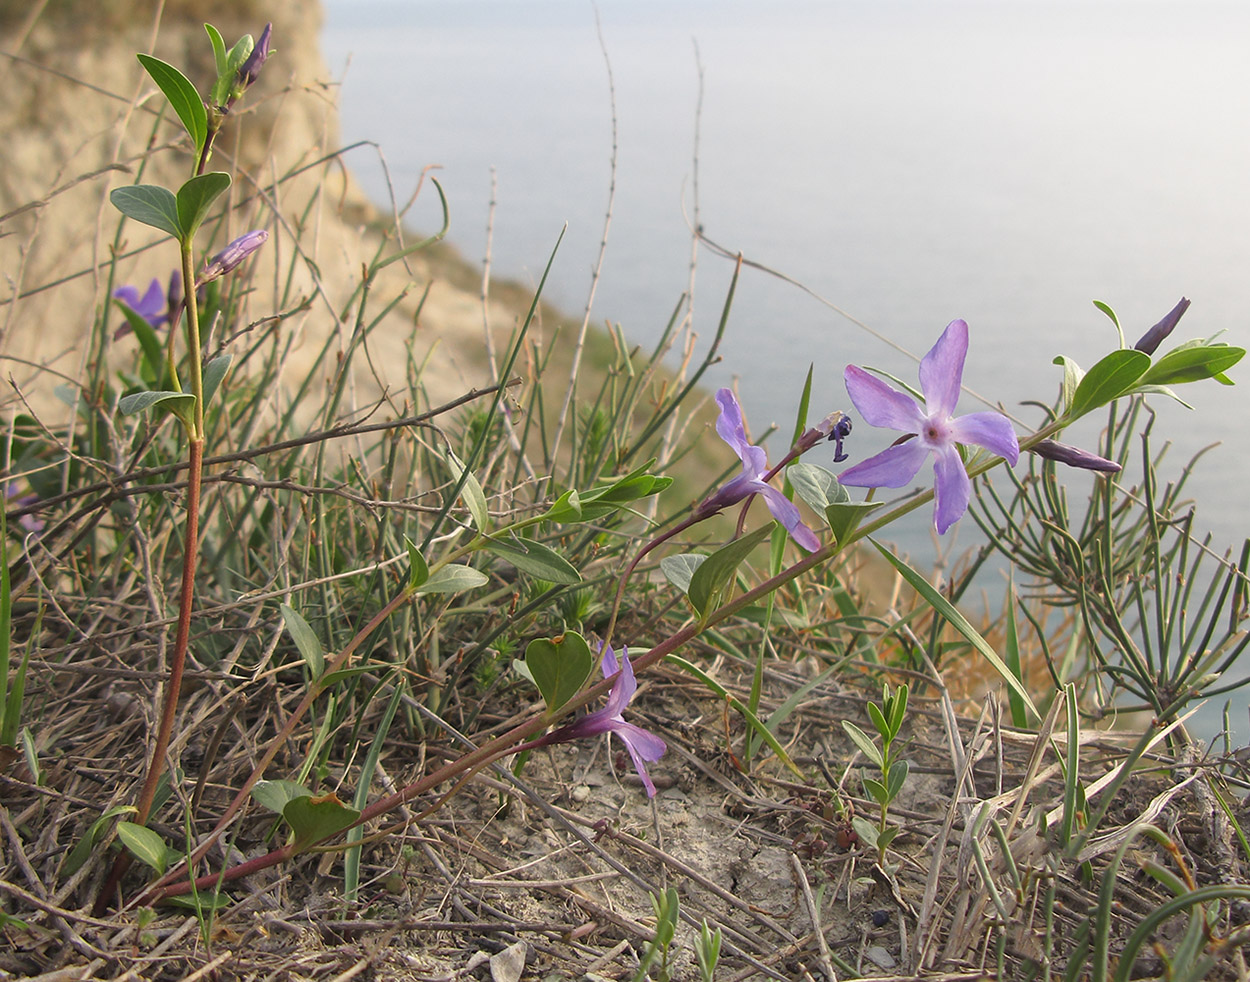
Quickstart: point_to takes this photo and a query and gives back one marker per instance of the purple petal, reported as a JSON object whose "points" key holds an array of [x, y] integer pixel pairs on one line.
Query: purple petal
{"points": [[1151, 340], [732, 430], [942, 370], [892, 468], [787, 513], [592, 724], [642, 746], [610, 663], [990, 430], [881, 404], [951, 488], [623, 688]]}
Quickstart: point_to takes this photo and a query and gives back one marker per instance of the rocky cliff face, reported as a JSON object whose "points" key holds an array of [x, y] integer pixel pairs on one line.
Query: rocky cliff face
{"points": [[80, 117]]}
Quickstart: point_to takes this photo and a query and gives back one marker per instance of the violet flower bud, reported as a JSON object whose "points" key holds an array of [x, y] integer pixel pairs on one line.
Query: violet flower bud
{"points": [[1151, 340], [249, 71], [1074, 456], [232, 255]]}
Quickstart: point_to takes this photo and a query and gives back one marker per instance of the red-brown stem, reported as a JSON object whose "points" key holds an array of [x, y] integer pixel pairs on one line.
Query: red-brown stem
{"points": [[177, 664]]}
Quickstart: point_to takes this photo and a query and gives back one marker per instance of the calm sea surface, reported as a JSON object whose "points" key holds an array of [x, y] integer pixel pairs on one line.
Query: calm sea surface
{"points": [[1003, 161]]}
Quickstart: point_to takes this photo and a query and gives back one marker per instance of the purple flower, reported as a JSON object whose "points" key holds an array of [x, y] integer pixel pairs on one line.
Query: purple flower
{"points": [[930, 429], [642, 746], [1074, 457], [152, 306], [232, 255], [751, 481], [30, 522], [1151, 340]]}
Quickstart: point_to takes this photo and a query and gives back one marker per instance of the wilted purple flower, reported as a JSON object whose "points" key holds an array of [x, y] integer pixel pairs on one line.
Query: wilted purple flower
{"points": [[249, 71], [233, 254], [642, 745], [930, 429], [751, 481], [835, 428], [1074, 457], [1151, 340], [152, 306]]}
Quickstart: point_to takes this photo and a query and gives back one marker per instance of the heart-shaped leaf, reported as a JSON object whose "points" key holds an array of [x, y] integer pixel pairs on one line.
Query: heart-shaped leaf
{"points": [[817, 486], [314, 819], [679, 570], [559, 667], [274, 795], [150, 204]]}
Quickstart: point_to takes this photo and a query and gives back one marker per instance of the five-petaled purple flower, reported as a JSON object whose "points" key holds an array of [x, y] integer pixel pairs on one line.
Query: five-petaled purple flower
{"points": [[642, 746], [751, 481], [929, 429]]}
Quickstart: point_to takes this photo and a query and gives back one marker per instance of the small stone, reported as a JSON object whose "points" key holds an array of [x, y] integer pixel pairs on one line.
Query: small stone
{"points": [[880, 957], [579, 794], [880, 918]]}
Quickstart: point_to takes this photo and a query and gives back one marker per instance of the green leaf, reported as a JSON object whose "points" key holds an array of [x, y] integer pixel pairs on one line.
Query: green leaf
{"points": [[153, 356], [150, 204], [877, 790], [817, 486], [559, 667], [275, 795], [1114, 320], [1072, 375], [535, 559], [214, 372], [567, 508], [1110, 378], [1192, 364], [957, 620], [145, 845], [181, 404], [861, 740], [201, 902], [711, 578], [470, 492], [897, 709], [878, 720], [85, 846], [305, 639], [418, 569], [314, 819], [845, 517], [182, 96], [866, 831], [453, 579], [219, 48], [196, 197], [679, 570], [897, 778]]}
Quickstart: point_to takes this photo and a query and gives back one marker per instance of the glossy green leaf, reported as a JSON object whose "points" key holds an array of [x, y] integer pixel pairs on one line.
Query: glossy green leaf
{"points": [[957, 620], [418, 569], [219, 48], [1110, 378], [305, 639], [679, 570], [182, 95], [470, 492], [862, 740], [711, 578], [315, 819], [150, 204], [274, 795], [145, 845], [1192, 363], [196, 197], [453, 579], [535, 559], [559, 667]]}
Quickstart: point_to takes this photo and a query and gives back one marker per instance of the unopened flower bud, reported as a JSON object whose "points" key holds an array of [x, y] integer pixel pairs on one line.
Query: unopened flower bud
{"points": [[232, 255], [1151, 340], [1074, 457], [249, 71]]}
